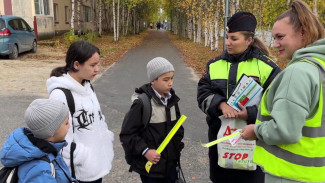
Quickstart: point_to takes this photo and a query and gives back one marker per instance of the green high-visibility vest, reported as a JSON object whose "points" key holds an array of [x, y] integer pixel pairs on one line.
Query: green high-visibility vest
{"points": [[253, 67], [304, 160]]}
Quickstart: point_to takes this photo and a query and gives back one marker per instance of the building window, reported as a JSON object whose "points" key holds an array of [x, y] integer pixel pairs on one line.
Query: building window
{"points": [[42, 7], [56, 12], [66, 12], [86, 14]]}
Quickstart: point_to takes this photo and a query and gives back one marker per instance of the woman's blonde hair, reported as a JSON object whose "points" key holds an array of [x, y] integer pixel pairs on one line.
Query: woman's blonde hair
{"points": [[301, 16], [258, 43]]}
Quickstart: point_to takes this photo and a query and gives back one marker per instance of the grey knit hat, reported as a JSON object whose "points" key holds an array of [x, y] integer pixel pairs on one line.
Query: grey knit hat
{"points": [[45, 116], [157, 67]]}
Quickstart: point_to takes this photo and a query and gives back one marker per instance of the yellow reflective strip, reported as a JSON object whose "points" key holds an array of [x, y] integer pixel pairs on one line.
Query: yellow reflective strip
{"points": [[219, 70], [249, 68], [167, 139], [308, 147], [220, 140], [281, 168], [255, 67]]}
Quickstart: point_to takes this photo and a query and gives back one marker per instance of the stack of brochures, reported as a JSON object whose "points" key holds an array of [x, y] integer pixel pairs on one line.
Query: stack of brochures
{"points": [[247, 92]]}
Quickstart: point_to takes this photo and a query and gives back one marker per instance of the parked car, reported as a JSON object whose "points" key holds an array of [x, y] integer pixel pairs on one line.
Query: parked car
{"points": [[16, 36]]}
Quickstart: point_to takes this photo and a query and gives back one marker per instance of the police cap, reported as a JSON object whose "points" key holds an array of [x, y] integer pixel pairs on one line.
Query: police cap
{"points": [[241, 21]]}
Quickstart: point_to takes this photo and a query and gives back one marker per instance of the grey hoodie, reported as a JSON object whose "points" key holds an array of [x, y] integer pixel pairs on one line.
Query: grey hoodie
{"points": [[292, 98]]}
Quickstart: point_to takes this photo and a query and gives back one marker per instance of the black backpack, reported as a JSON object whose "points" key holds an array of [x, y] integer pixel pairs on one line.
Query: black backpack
{"points": [[10, 174]]}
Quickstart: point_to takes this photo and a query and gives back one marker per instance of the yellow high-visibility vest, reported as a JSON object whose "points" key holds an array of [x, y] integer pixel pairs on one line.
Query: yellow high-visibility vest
{"points": [[254, 67], [304, 160]]}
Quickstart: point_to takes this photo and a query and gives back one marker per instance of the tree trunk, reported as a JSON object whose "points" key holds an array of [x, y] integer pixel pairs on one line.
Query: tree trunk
{"points": [[100, 19], [206, 33], [79, 27], [72, 16], [123, 19], [211, 33], [127, 22], [118, 21], [189, 28], [216, 31], [134, 22], [199, 31], [315, 10], [194, 30], [114, 21]]}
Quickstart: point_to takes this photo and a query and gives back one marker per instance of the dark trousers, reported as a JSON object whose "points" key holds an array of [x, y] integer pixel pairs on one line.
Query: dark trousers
{"points": [[170, 179], [95, 181]]}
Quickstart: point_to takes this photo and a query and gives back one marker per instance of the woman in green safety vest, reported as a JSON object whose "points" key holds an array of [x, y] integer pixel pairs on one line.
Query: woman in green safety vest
{"points": [[290, 126], [245, 54]]}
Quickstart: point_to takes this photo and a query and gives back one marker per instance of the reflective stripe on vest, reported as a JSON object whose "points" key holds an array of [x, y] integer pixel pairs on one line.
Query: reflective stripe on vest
{"points": [[253, 67], [304, 160]]}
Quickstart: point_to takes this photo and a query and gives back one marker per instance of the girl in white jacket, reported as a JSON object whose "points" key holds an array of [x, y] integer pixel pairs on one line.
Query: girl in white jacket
{"points": [[93, 155]]}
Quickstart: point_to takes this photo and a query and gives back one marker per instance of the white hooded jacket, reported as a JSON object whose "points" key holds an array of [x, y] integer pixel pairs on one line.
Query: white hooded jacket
{"points": [[94, 141]]}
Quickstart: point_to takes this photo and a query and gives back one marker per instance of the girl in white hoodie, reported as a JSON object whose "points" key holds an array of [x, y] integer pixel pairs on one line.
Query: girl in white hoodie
{"points": [[93, 154]]}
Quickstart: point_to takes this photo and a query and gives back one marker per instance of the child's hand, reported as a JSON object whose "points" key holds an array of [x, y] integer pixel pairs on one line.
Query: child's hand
{"points": [[152, 156]]}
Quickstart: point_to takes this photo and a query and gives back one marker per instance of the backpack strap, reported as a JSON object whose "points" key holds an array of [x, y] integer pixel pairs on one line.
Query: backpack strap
{"points": [[72, 149], [71, 105], [70, 100], [146, 110]]}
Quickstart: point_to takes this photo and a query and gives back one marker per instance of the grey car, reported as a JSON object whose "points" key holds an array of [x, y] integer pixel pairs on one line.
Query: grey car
{"points": [[16, 36]]}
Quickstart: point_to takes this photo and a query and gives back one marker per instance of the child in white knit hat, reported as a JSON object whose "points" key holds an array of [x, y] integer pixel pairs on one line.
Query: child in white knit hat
{"points": [[47, 122], [140, 141]]}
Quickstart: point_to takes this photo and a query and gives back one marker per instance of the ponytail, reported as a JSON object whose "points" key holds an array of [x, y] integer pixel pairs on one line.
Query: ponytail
{"points": [[258, 43], [59, 71]]}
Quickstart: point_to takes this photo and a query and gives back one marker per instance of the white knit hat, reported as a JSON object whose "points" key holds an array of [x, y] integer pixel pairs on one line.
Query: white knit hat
{"points": [[45, 116], [157, 67]]}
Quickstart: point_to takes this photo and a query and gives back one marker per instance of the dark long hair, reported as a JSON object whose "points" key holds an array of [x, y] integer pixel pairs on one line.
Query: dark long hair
{"points": [[79, 51]]}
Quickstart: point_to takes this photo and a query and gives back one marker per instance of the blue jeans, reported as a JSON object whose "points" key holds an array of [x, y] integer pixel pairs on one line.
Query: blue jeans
{"points": [[170, 179]]}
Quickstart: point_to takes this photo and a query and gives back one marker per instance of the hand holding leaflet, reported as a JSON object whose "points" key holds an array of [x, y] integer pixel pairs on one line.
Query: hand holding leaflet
{"points": [[247, 92]]}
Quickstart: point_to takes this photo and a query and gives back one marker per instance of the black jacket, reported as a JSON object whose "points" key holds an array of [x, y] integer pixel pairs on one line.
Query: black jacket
{"points": [[135, 138], [212, 92]]}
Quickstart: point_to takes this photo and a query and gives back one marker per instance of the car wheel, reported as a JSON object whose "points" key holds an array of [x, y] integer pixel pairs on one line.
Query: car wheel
{"points": [[34, 49], [14, 53]]}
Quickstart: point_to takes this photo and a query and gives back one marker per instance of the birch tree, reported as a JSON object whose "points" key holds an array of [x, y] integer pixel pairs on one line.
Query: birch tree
{"points": [[315, 10], [118, 20], [114, 21], [78, 17], [72, 16], [100, 18]]}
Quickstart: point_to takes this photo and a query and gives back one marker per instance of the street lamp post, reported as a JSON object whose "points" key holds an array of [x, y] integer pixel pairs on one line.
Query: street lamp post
{"points": [[225, 23]]}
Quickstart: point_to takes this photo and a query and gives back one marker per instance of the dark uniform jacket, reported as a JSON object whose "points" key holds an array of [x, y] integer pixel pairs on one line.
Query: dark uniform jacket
{"points": [[135, 138], [211, 92]]}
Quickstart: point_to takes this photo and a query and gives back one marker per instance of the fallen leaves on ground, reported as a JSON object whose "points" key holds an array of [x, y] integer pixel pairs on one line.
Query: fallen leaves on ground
{"points": [[195, 55]]}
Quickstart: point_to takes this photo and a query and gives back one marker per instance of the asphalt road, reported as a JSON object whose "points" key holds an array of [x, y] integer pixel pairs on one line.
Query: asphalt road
{"points": [[114, 89]]}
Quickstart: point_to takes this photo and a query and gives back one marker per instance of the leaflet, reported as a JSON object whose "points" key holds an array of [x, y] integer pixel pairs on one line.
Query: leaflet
{"points": [[247, 92]]}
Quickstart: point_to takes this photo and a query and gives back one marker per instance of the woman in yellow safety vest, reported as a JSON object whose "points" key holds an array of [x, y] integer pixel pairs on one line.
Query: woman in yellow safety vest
{"points": [[290, 125], [245, 54]]}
